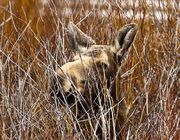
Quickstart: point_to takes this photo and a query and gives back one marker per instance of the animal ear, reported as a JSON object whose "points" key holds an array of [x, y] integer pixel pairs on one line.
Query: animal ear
{"points": [[125, 39], [77, 39]]}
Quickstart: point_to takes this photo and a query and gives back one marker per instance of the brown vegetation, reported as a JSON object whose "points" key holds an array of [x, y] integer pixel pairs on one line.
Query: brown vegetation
{"points": [[33, 44]]}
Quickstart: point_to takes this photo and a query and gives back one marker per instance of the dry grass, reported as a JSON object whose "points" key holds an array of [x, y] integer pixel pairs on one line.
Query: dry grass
{"points": [[33, 45]]}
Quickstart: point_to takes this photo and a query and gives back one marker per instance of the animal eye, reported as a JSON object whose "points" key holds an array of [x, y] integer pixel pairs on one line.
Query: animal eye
{"points": [[102, 65], [83, 81]]}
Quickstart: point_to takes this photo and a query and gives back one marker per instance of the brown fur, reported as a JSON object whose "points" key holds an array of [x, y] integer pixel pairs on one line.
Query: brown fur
{"points": [[92, 73]]}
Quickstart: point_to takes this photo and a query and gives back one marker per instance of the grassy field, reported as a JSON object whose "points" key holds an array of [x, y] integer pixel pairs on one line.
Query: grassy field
{"points": [[33, 44]]}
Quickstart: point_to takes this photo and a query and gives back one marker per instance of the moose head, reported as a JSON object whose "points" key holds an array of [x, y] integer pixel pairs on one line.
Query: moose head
{"points": [[93, 69]]}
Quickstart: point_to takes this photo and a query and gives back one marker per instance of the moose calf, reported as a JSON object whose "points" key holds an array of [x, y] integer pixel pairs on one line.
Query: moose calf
{"points": [[88, 82]]}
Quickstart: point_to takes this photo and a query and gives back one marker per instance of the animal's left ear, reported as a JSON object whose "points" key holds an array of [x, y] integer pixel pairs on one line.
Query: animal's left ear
{"points": [[124, 40], [78, 40]]}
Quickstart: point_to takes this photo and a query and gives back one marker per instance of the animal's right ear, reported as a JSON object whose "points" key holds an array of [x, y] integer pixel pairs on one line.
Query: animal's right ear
{"points": [[77, 39]]}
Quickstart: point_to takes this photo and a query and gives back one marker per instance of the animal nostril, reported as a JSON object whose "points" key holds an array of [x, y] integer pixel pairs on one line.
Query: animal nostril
{"points": [[62, 96]]}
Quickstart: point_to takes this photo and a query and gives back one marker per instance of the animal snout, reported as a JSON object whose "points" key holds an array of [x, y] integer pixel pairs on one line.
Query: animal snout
{"points": [[67, 97], [63, 92]]}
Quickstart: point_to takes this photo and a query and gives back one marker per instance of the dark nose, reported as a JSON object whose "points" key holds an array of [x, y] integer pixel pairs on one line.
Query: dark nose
{"points": [[63, 97]]}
